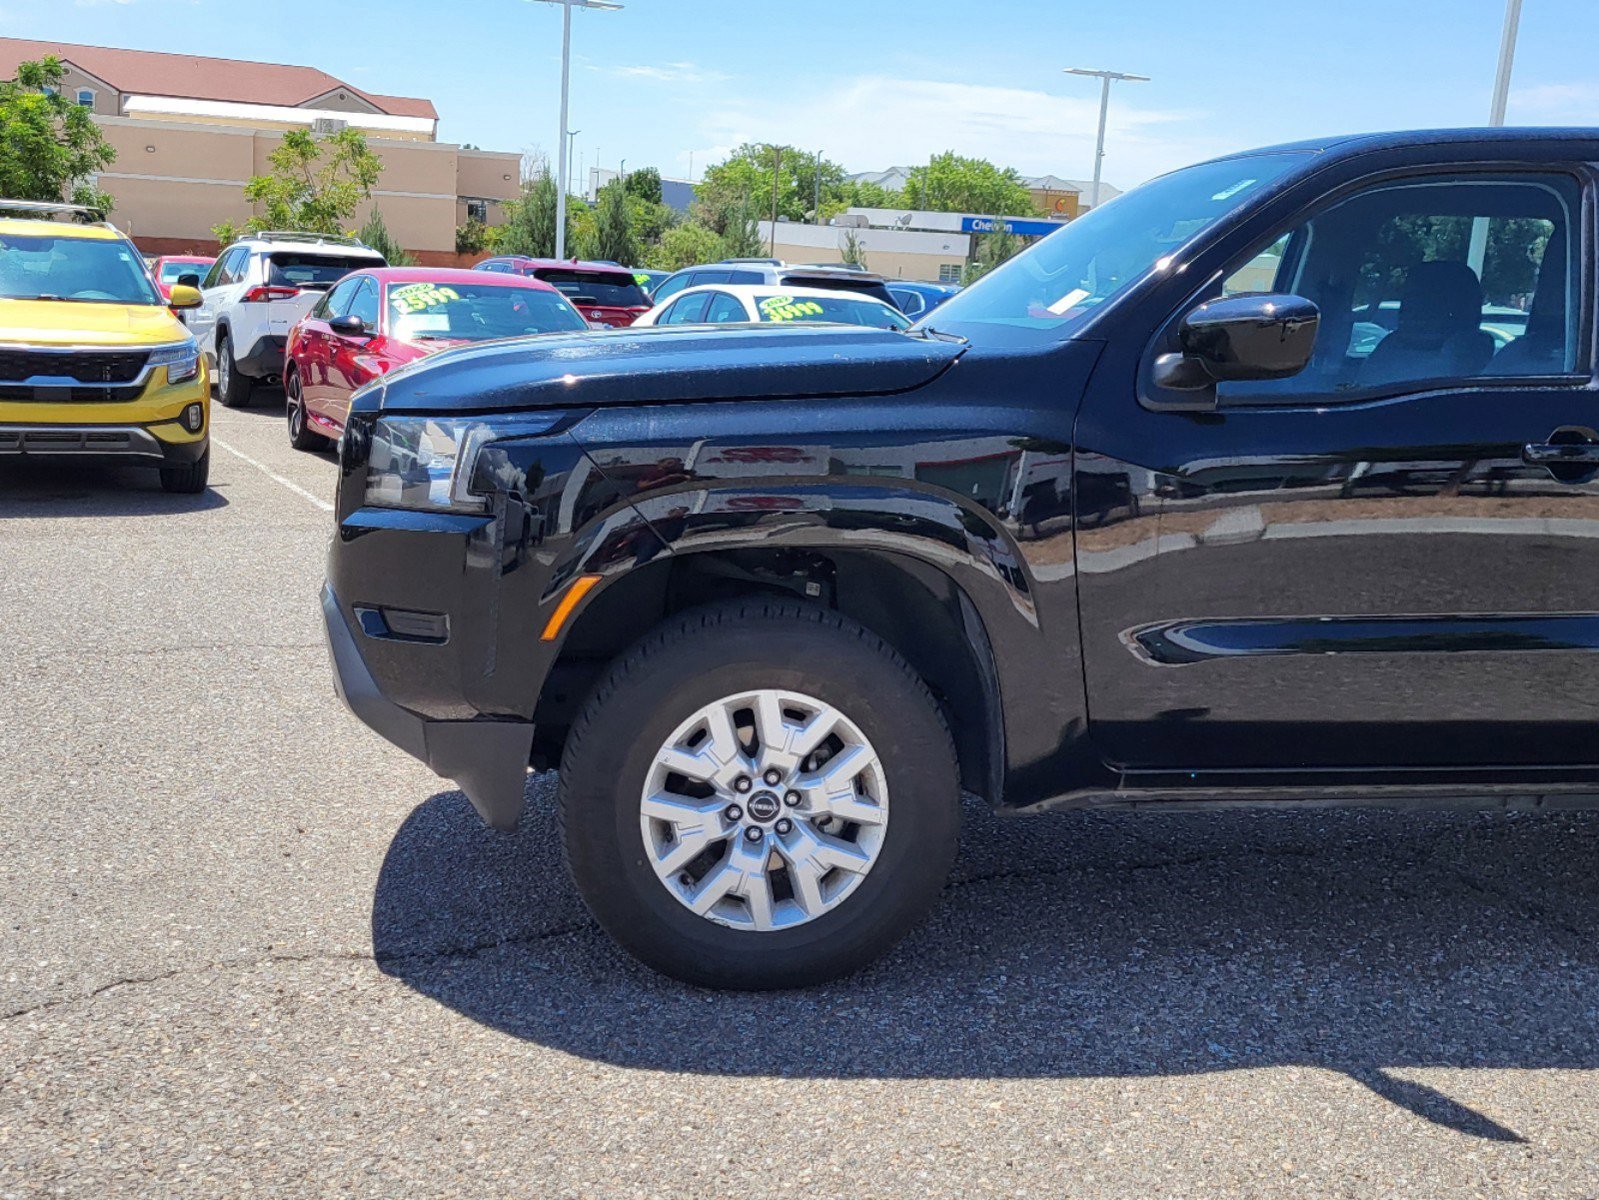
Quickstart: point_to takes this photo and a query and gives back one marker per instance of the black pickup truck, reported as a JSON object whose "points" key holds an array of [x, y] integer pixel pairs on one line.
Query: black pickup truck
{"points": [[1270, 482]]}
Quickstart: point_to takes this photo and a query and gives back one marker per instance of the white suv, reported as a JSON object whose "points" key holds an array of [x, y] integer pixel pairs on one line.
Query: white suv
{"points": [[254, 293]]}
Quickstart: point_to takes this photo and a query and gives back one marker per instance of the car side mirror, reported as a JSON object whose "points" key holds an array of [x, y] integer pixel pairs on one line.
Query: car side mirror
{"points": [[1265, 335], [184, 295], [348, 325], [189, 280]]}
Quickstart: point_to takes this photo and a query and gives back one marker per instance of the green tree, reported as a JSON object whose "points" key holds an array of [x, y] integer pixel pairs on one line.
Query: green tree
{"points": [[471, 238], [314, 186], [741, 233], [375, 233], [853, 252], [645, 183], [50, 148], [953, 183], [683, 246], [746, 177], [530, 219], [613, 237]]}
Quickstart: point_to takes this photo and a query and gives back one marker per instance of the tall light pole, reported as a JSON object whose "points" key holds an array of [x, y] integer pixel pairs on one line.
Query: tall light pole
{"points": [[1507, 57], [1105, 78], [562, 182], [1477, 248], [571, 144]]}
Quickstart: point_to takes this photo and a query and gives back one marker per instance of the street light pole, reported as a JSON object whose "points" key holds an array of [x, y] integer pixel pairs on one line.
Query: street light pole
{"points": [[1477, 248], [777, 170], [1507, 57], [562, 181], [1105, 78], [571, 144]]}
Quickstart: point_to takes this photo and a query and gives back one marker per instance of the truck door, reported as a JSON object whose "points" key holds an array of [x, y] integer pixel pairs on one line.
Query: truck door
{"points": [[1390, 559]]}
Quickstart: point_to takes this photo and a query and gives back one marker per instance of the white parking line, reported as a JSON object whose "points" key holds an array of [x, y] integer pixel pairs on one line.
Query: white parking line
{"points": [[273, 475]]}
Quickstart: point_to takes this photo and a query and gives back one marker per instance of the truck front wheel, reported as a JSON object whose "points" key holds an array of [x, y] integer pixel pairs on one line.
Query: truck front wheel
{"points": [[760, 794]]}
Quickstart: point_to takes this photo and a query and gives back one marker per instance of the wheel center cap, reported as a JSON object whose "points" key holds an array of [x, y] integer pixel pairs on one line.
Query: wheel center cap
{"points": [[764, 806]]}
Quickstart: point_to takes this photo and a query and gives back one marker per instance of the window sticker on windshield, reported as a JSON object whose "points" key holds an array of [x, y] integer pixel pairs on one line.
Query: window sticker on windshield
{"points": [[786, 308], [1227, 193], [1070, 300], [414, 297]]}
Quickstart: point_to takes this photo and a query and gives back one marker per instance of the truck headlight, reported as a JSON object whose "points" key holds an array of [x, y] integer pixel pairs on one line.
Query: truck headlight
{"points": [[426, 462], [181, 359]]}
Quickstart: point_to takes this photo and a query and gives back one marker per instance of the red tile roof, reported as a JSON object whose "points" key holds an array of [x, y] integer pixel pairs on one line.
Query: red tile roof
{"points": [[153, 73]]}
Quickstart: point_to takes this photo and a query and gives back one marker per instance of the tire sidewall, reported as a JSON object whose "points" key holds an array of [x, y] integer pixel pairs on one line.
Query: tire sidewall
{"points": [[601, 794]]}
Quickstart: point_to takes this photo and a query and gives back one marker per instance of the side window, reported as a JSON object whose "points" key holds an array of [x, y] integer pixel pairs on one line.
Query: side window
{"points": [[670, 287], [724, 309], [338, 300], [690, 310], [1446, 278], [910, 303], [703, 277], [214, 275], [742, 277], [365, 302]]}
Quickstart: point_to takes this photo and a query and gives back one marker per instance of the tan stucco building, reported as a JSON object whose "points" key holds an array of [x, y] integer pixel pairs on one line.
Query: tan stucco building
{"points": [[189, 133]]}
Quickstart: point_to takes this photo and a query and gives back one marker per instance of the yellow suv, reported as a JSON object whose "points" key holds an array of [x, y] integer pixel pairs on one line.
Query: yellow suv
{"points": [[94, 363]]}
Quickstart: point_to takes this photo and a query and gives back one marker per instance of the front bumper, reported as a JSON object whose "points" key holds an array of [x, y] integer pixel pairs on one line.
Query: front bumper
{"points": [[488, 758], [146, 430]]}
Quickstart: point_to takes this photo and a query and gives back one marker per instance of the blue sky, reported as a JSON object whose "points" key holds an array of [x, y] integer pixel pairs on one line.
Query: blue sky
{"points": [[872, 84]]}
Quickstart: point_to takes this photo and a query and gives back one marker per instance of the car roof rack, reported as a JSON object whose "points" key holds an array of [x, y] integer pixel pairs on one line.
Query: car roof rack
{"points": [[298, 235], [55, 208]]}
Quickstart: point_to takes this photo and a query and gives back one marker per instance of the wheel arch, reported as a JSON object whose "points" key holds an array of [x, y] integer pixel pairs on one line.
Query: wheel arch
{"points": [[917, 607]]}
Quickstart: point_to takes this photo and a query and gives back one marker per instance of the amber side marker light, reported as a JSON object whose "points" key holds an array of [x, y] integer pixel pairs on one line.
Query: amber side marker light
{"points": [[581, 586]]}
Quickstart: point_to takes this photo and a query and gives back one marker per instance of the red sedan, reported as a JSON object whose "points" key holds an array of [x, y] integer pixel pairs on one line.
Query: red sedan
{"points": [[371, 322], [171, 268], [604, 293]]}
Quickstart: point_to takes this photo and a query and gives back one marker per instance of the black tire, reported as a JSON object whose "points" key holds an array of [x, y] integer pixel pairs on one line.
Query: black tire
{"points": [[704, 655], [301, 436], [234, 389], [190, 478]]}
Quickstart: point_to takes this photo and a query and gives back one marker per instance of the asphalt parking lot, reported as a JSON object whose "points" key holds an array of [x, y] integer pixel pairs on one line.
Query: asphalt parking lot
{"points": [[251, 949]]}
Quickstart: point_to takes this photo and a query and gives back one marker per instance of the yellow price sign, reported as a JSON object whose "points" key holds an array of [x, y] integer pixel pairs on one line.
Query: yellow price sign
{"points": [[786, 308], [415, 297]]}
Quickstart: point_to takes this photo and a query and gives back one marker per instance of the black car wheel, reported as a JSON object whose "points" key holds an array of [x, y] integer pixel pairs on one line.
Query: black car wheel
{"points": [[760, 794], [189, 478], [234, 388], [301, 436]]}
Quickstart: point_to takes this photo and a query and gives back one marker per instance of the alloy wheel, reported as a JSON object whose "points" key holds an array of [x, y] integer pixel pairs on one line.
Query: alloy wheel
{"points": [[764, 810]]}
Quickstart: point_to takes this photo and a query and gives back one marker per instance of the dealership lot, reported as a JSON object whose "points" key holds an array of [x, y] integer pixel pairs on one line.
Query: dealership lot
{"points": [[250, 946]]}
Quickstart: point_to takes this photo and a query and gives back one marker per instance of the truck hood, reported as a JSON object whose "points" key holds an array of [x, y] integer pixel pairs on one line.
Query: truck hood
{"points": [[664, 364], [70, 323]]}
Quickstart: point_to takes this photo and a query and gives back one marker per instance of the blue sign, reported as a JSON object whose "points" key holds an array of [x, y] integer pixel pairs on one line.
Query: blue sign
{"points": [[1017, 225]]}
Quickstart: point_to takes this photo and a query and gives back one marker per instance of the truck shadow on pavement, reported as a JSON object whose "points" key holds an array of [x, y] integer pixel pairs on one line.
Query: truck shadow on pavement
{"points": [[1366, 942]]}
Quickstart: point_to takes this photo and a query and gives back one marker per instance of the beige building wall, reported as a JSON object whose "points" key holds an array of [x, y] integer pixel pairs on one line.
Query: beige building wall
{"points": [[175, 180], [894, 253]]}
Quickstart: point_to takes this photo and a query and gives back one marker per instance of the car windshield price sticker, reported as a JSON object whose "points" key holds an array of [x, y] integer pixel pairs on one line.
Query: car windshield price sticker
{"points": [[415, 297], [786, 308]]}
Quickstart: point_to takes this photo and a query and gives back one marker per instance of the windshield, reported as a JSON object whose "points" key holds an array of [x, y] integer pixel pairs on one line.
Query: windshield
{"points": [[420, 312], [1049, 289], [94, 270], [314, 271], [610, 289], [846, 310], [171, 272]]}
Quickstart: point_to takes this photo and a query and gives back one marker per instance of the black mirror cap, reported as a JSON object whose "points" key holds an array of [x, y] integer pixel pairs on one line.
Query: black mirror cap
{"points": [[348, 325], [1257, 335], [189, 280]]}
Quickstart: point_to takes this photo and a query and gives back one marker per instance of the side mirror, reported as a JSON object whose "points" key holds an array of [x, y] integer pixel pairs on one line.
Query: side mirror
{"points": [[1262, 335], [189, 280], [184, 295], [348, 326]]}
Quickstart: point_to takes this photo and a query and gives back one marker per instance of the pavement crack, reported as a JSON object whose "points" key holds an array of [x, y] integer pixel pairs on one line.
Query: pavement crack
{"points": [[382, 961]]}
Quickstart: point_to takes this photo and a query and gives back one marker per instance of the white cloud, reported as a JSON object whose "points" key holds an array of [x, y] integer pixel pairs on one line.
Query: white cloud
{"points": [[1573, 103], [876, 122], [672, 72]]}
